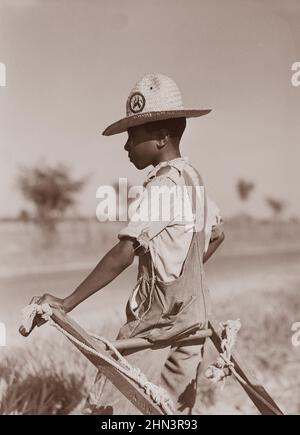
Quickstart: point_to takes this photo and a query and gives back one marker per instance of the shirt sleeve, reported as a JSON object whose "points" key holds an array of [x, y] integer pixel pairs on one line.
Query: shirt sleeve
{"points": [[153, 212]]}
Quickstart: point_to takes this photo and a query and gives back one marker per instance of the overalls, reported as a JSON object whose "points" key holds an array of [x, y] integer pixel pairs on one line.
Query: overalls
{"points": [[166, 310]]}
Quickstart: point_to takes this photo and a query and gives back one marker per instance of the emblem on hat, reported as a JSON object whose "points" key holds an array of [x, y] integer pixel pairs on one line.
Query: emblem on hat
{"points": [[137, 102], [163, 99]]}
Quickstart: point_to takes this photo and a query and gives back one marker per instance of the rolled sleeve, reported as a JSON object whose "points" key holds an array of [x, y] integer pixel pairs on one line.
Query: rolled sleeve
{"points": [[147, 221]]}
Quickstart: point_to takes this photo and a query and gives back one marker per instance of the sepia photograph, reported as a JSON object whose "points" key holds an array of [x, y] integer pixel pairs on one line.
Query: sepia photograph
{"points": [[150, 210]]}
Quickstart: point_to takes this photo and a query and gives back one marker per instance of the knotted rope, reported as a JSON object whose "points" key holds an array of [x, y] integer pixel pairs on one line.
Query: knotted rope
{"points": [[159, 395], [29, 313], [223, 366]]}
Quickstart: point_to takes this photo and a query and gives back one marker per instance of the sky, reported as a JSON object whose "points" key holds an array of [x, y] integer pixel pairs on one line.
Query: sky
{"points": [[70, 66]]}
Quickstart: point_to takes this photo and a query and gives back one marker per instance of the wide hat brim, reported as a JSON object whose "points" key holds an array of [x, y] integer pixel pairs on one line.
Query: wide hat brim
{"points": [[142, 118]]}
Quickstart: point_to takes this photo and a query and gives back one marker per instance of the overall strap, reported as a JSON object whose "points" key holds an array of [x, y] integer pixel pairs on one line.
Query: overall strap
{"points": [[200, 247], [195, 200]]}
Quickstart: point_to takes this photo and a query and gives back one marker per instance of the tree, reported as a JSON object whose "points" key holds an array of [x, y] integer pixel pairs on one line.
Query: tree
{"points": [[244, 188], [24, 216], [51, 191], [277, 206]]}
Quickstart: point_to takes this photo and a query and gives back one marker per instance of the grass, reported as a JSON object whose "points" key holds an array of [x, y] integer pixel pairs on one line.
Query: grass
{"points": [[49, 376], [45, 378], [265, 344]]}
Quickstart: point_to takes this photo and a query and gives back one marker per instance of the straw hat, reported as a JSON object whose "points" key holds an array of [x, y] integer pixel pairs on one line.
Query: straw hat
{"points": [[155, 97]]}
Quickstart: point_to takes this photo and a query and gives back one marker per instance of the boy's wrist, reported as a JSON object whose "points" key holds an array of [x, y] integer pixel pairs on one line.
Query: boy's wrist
{"points": [[68, 304]]}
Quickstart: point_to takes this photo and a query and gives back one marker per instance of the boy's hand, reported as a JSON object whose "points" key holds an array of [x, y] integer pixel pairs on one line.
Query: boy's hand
{"points": [[216, 232], [53, 301]]}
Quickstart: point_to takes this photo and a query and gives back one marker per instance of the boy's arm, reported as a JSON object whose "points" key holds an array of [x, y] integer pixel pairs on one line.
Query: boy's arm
{"points": [[215, 231], [213, 246], [108, 268]]}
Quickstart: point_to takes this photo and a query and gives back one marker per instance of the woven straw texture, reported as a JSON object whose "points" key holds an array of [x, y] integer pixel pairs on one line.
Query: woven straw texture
{"points": [[155, 97]]}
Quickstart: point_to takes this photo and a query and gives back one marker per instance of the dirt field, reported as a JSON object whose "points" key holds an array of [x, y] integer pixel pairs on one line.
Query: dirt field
{"points": [[261, 288]]}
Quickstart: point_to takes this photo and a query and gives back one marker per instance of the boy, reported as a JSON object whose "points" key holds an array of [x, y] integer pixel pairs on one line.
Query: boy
{"points": [[171, 297]]}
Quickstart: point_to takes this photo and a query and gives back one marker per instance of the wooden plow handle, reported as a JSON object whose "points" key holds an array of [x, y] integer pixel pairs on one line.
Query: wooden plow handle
{"points": [[256, 392], [25, 333], [127, 345], [131, 390]]}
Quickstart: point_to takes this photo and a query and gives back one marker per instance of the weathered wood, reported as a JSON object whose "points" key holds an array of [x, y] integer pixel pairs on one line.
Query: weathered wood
{"points": [[135, 344], [256, 392], [129, 388], [25, 333]]}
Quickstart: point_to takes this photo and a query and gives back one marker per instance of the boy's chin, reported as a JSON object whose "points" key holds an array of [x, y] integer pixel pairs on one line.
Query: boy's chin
{"points": [[139, 165]]}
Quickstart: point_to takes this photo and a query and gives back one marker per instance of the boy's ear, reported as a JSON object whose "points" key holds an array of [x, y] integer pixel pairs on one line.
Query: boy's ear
{"points": [[163, 137]]}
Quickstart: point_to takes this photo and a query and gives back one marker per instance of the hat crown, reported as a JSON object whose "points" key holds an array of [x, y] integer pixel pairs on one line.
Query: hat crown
{"points": [[154, 93]]}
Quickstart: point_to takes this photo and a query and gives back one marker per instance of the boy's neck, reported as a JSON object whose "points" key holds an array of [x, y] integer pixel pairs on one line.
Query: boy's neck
{"points": [[167, 156]]}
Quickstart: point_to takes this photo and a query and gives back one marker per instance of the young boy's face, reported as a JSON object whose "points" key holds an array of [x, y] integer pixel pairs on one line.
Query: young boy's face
{"points": [[141, 147]]}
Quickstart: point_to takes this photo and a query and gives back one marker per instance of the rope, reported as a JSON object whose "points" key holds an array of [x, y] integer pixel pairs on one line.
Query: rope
{"points": [[218, 371], [29, 313], [223, 366], [158, 394]]}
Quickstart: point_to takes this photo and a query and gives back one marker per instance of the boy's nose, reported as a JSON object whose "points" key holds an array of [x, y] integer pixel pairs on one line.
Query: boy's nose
{"points": [[126, 146]]}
